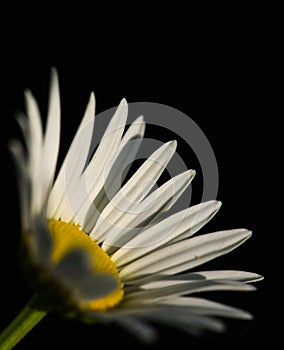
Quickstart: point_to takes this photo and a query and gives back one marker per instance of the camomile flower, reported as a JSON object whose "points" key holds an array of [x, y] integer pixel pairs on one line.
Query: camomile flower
{"points": [[99, 246]]}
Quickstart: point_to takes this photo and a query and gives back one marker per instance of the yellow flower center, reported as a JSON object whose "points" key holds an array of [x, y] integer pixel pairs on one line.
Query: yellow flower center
{"points": [[67, 237]]}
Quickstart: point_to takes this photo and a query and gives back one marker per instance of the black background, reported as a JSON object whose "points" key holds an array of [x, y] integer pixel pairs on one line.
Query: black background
{"points": [[213, 69]]}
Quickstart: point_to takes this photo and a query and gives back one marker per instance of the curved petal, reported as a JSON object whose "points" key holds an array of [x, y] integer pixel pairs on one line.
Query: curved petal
{"points": [[186, 254], [185, 222], [184, 288], [150, 210], [34, 146], [52, 134], [115, 171], [200, 306], [160, 280], [113, 217], [69, 175]]}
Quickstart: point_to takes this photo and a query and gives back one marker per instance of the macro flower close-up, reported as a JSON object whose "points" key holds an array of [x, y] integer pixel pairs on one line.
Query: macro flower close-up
{"points": [[99, 246]]}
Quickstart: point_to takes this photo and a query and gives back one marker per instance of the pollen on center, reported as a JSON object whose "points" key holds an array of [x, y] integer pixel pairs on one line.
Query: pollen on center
{"points": [[65, 238]]}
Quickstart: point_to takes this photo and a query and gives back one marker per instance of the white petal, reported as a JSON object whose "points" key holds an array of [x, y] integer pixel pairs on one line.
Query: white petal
{"points": [[184, 288], [172, 316], [34, 122], [52, 134], [132, 139], [186, 254], [185, 222], [151, 209], [34, 145], [129, 147], [60, 204], [107, 147], [115, 171], [233, 275], [93, 177], [135, 131], [114, 217], [200, 306], [159, 281]]}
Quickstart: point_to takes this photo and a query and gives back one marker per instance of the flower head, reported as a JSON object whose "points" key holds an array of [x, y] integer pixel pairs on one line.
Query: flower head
{"points": [[106, 251]]}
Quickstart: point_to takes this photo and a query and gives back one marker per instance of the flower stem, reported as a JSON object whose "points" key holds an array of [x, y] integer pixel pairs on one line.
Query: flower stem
{"points": [[24, 322]]}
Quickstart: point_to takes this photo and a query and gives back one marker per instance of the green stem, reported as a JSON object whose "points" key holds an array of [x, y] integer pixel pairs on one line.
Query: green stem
{"points": [[24, 322]]}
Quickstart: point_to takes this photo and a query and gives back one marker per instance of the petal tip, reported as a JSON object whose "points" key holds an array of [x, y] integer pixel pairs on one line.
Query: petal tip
{"points": [[218, 205], [123, 102], [172, 144], [53, 73], [247, 233], [28, 94], [92, 96]]}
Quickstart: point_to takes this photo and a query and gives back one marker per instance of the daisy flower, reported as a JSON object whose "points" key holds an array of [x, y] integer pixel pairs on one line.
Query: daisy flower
{"points": [[101, 251]]}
